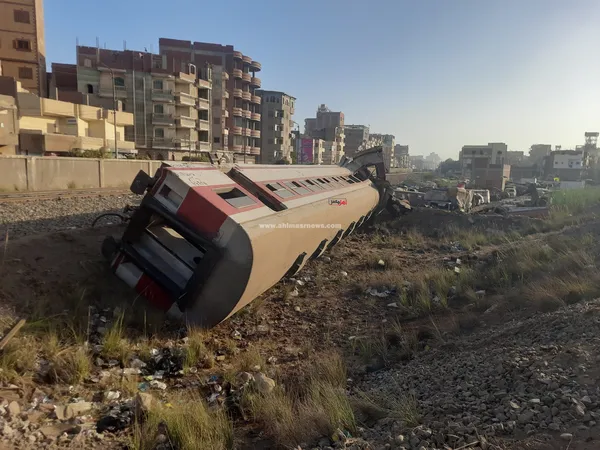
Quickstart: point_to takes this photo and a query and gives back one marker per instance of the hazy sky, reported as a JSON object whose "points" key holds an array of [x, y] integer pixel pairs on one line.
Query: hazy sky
{"points": [[437, 74]]}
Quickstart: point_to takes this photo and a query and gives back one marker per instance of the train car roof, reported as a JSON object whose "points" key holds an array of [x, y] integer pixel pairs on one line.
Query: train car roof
{"points": [[260, 172]]}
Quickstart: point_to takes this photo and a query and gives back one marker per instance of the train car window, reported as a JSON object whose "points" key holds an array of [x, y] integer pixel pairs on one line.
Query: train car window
{"points": [[235, 197], [279, 190], [349, 180], [356, 180], [313, 186], [297, 187]]}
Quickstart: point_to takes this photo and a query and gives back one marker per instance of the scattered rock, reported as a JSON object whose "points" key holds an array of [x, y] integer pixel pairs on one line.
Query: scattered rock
{"points": [[263, 383]]}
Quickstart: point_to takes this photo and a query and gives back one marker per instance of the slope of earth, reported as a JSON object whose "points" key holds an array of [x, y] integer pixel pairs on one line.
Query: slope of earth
{"points": [[382, 299]]}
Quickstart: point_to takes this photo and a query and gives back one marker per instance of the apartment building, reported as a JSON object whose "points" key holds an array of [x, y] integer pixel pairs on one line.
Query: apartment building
{"points": [[357, 138], [401, 156], [170, 99], [387, 142], [567, 165], [9, 126], [328, 126], [538, 152], [236, 106], [277, 109], [47, 126], [22, 44], [331, 152], [493, 153]]}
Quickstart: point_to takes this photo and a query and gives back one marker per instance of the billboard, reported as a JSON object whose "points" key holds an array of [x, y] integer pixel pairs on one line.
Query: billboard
{"points": [[306, 151]]}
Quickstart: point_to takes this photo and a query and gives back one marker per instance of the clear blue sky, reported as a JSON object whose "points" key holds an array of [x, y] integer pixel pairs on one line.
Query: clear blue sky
{"points": [[437, 74]]}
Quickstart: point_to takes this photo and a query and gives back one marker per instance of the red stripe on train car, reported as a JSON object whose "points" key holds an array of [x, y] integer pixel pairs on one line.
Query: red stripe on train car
{"points": [[153, 292], [207, 211]]}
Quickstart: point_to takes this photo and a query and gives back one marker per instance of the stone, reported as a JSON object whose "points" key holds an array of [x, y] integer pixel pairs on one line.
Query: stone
{"points": [[220, 358], [525, 417], [14, 409], [566, 436], [66, 412], [143, 402], [55, 430], [244, 377], [263, 383], [112, 395]]}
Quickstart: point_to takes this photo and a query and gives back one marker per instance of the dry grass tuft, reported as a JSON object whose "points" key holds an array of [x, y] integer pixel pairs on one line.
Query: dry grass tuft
{"points": [[319, 407], [197, 353], [188, 425], [115, 345]]}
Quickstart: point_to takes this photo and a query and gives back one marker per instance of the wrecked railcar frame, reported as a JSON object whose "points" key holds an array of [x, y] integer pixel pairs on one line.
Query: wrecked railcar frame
{"points": [[207, 240]]}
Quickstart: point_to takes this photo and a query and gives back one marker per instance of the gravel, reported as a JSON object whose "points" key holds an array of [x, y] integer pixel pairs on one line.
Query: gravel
{"points": [[42, 216], [529, 377]]}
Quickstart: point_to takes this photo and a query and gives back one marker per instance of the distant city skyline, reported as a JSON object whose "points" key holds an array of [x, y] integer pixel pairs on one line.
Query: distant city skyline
{"points": [[436, 75]]}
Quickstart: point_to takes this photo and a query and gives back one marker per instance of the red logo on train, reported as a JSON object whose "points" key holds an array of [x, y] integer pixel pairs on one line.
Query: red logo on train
{"points": [[338, 201]]}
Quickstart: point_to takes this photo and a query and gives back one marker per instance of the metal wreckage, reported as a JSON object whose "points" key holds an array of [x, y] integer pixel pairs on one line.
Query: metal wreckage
{"points": [[206, 240]]}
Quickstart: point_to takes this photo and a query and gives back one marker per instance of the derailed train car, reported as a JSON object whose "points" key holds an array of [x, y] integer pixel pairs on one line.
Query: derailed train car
{"points": [[205, 241]]}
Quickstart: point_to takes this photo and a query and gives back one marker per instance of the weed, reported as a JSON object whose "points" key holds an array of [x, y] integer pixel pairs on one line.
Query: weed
{"points": [[70, 365], [249, 360], [405, 408], [196, 352], [189, 425], [115, 345], [71, 185]]}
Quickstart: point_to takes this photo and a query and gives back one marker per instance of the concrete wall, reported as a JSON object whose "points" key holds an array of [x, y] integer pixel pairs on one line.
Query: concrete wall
{"points": [[22, 173]]}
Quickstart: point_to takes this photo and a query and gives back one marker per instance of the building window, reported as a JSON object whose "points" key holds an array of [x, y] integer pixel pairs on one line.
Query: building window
{"points": [[26, 73], [23, 45], [159, 133], [87, 62], [119, 82], [157, 84], [22, 16], [217, 140], [159, 109]]}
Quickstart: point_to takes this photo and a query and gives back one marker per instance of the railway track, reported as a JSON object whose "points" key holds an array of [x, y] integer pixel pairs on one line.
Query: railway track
{"points": [[7, 197]]}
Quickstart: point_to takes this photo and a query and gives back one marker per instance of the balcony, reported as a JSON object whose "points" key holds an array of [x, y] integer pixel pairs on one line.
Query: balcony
{"points": [[181, 98], [246, 59], [163, 119], [122, 146], [203, 146], [255, 81], [236, 148], [186, 122], [184, 78], [203, 125], [161, 95], [246, 114], [246, 77], [203, 84], [162, 142], [254, 150], [225, 76], [256, 66], [57, 108], [237, 73], [256, 99], [237, 93], [237, 112], [184, 144], [255, 133], [91, 143], [255, 116], [107, 91], [236, 130], [246, 132], [90, 112], [203, 103], [123, 118], [225, 94], [237, 55], [246, 96], [278, 133], [225, 113]]}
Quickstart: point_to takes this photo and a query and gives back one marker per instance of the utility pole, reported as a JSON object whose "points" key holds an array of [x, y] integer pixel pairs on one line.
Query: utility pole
{"points": [[112, 75]]}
